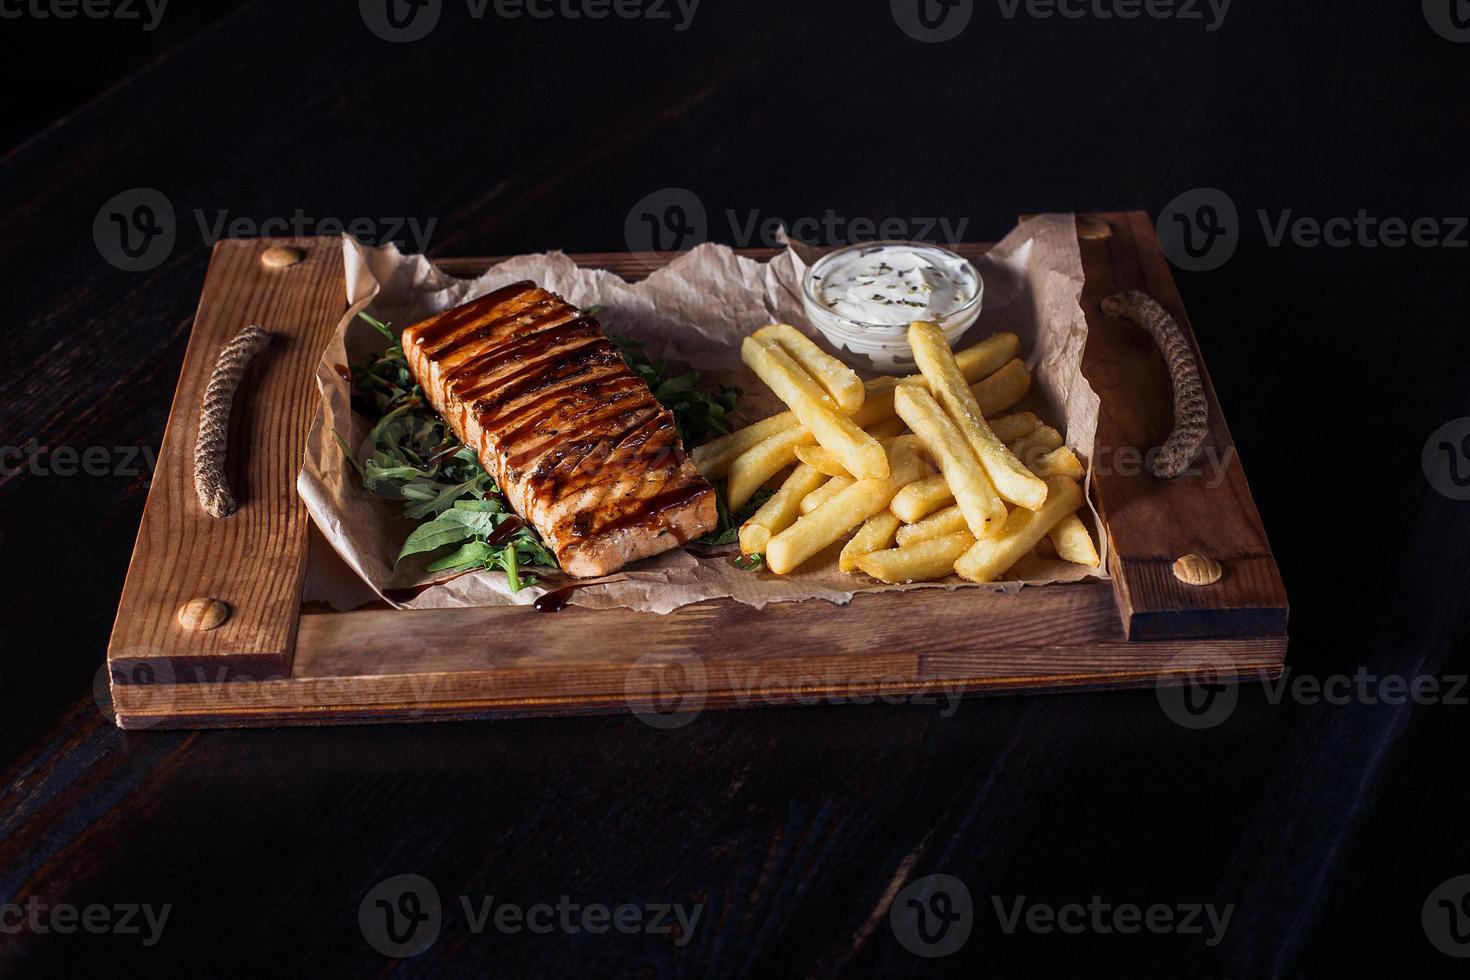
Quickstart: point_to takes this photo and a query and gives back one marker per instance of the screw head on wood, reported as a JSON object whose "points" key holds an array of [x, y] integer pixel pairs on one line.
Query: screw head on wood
{"points": [[203, 613], [281, 256], [1192, 569], [1093, 229]]}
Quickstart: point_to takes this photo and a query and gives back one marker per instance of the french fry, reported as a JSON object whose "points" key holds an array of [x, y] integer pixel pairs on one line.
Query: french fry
{"points": [[752, 468], [990, 557], [859, 452], [822, 460], [1012, 480], [1073, 543], [713, 458], [836, 378], [1009, 428], [983, 508], [920, 498], [875, 535], [1061, 461], [824, 493], [1030, 447], [936, 525], [920, 562], [924, 497], [1003, 389], [829, 522], [780, 511], [993, 355], [887, 429]]}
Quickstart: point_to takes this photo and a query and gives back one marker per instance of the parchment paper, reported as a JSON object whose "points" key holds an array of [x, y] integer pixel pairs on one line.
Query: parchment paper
{"points": [[695, 310]]}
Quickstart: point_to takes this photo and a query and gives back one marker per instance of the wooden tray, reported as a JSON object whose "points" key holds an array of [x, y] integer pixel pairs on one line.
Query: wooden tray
{"points": [[275, 662]]}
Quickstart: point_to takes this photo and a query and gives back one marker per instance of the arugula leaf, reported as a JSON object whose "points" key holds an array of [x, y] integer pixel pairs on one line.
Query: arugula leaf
{"points": [[727, 527]]}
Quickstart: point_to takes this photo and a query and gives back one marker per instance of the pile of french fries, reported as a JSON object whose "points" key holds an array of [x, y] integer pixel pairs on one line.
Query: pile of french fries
{"points": [[925, 469]]}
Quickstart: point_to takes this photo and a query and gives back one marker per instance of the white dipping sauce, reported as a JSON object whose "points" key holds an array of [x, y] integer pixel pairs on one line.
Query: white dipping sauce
{"points": [[895, 284]]}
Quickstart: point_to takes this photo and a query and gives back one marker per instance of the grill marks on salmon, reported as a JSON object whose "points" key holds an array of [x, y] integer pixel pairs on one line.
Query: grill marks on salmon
{"points": [[576, 441]]}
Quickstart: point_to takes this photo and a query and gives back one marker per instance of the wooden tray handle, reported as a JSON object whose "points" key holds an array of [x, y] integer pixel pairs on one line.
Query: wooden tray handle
{"points": [[214, 421], [1190, 411]]}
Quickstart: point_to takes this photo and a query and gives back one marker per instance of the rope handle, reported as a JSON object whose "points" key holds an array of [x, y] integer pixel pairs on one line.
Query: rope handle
{"points": [[1190, 411], [214, 421]]}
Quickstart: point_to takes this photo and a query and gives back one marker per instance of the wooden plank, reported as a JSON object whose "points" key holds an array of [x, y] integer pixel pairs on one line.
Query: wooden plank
{"points": [[1151, 522], [255, 559], [447, 663]]}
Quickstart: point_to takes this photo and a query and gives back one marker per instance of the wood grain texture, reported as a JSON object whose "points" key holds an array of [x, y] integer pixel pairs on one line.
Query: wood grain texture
{"points": [[381, 665], [253, 560], [1151, 522], [384, 665]]}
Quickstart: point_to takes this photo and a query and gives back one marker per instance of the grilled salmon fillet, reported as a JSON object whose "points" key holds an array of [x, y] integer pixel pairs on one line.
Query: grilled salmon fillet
{"points": [[578, 444]]}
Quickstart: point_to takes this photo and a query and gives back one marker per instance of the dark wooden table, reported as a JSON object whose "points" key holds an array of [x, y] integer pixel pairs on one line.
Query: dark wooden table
{"points": [[1324, 826]]}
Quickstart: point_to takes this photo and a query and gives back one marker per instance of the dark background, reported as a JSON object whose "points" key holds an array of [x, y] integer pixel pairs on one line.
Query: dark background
{"points": [[1326, 826]]}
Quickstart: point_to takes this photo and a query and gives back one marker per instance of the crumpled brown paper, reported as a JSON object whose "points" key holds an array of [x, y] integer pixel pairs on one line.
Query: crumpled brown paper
{"points": [[695, 310]]}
